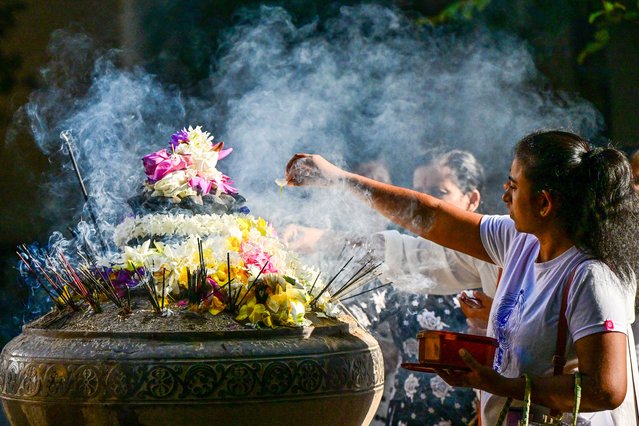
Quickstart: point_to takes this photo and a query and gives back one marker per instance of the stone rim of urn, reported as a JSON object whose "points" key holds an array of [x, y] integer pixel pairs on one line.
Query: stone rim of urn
{"points": [[329, 373]]}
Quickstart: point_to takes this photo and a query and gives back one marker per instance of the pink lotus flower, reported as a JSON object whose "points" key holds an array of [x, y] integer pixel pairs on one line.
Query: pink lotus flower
{"points": [[159, 164], [253, 255], [221, 152], [225, 185], [205, 185]]}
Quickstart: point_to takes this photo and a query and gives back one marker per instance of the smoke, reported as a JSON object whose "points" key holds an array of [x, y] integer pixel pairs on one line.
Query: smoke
{"points": [[370, 85], [366, 84]]}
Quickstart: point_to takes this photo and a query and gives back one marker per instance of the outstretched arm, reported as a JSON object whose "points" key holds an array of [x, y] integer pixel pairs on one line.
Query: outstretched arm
{"points": [[422, 214]]}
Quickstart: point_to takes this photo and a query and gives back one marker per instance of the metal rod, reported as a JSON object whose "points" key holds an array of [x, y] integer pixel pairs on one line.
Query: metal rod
{"points": [[67, 138]]}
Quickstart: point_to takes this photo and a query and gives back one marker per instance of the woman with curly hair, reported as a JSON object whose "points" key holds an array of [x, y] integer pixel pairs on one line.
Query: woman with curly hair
{"points": [[573, 224]]}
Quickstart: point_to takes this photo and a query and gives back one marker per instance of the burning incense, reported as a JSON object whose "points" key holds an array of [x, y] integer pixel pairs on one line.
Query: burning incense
{"points": [[358, 281], [365, 291], [316, 298], [66, 135], [34, 265], [55, 300]]}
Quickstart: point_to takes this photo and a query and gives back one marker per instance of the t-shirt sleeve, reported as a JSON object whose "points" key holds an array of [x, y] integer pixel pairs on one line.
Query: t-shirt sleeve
{"points": [[421, 266], [597, 303], [497, 233]]}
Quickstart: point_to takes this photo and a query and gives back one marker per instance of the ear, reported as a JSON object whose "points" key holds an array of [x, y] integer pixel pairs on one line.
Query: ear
{"points": [[474, 197], [546, 203]]}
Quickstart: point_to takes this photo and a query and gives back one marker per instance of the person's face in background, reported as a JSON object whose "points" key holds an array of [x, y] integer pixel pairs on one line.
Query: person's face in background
{"points": [[440, 182]]}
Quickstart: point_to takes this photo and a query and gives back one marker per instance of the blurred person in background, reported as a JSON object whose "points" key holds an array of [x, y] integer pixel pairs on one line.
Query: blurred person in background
{"points": [[426, 279]]}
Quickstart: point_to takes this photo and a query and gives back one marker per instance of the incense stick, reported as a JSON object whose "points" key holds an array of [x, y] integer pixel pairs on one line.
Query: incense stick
{"points": [[66, 135], [365, 291], [331, 281], [253, 283]]}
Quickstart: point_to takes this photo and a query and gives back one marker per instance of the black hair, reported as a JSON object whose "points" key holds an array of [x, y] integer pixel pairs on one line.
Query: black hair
{"points": [[467, 173], [597, 202]]}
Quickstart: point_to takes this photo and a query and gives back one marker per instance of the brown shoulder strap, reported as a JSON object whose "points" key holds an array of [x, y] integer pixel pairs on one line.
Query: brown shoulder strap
{"points": [[559, 360]]}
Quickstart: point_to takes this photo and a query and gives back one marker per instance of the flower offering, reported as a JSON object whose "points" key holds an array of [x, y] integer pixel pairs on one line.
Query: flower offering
{"points": [[209, 262]]}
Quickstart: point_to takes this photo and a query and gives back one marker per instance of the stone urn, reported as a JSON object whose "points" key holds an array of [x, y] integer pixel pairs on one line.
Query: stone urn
{"points": [[188, 369]]}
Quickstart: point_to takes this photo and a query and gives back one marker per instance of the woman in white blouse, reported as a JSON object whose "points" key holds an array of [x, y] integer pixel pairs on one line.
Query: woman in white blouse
{"points": [[571, 208]]}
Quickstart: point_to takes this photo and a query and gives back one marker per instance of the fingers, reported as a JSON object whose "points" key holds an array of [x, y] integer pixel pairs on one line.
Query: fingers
{"points": [[453, 378], [469, 360], [299, 168], [291, 233], [294, 159], [485, 299]]}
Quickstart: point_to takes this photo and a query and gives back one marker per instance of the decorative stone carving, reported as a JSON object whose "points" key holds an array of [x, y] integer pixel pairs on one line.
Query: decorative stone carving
{"points": [[328, 374]]}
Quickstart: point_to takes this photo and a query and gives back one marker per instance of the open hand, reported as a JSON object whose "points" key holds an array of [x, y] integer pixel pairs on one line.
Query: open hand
{"points": [[312, 169], [302, 238]]}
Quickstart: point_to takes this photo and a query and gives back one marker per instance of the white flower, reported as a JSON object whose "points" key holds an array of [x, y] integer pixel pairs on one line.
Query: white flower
{"points": [[297, 311], [137, 255], [428, 320], [410, 386], [174, 184], [411, 347], [439, 387]]}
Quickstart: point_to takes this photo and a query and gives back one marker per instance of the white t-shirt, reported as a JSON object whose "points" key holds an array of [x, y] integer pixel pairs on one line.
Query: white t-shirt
{"points": [[525, 312], [421, 266]]}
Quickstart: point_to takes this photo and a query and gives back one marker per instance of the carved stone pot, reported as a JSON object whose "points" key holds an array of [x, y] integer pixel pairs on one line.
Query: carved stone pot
{"points": [[330, 373]]}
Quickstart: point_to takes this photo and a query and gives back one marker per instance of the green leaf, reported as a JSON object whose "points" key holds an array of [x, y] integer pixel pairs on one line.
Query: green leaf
{"points": [[592, 47], [593, 16], [620, 6], [608, 6]]}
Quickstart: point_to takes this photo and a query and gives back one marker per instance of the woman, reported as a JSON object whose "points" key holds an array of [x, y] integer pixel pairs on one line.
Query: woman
{"points": [[425, 277], [571, 208]]}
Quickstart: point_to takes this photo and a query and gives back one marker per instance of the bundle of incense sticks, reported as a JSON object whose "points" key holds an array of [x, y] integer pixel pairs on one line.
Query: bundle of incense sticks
{"points": [[357, 278], [57, 291], [148, 282], [61, 281]]}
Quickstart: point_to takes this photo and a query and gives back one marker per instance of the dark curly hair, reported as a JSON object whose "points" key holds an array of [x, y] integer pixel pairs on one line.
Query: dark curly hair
{"points": [[594, 188]]}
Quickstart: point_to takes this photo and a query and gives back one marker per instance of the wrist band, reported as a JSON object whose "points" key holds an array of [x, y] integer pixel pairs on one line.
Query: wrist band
{"points": [[577, 401], [526, 409], [527, 392], [504, 412]]}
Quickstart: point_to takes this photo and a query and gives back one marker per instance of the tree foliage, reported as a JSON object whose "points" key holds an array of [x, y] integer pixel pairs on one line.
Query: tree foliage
{"points": [[604, 15]]}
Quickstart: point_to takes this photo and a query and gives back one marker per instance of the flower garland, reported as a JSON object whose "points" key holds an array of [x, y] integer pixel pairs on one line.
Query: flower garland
{"points": [[247, 244], [237, 260]]}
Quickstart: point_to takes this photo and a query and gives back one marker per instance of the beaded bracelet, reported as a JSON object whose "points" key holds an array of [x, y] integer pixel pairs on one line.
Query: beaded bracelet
{"points": [[577, 400], [526, 408]]}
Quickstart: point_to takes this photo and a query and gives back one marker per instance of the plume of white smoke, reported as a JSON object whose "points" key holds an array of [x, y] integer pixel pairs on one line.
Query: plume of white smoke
{"points": [[365, 84]]}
